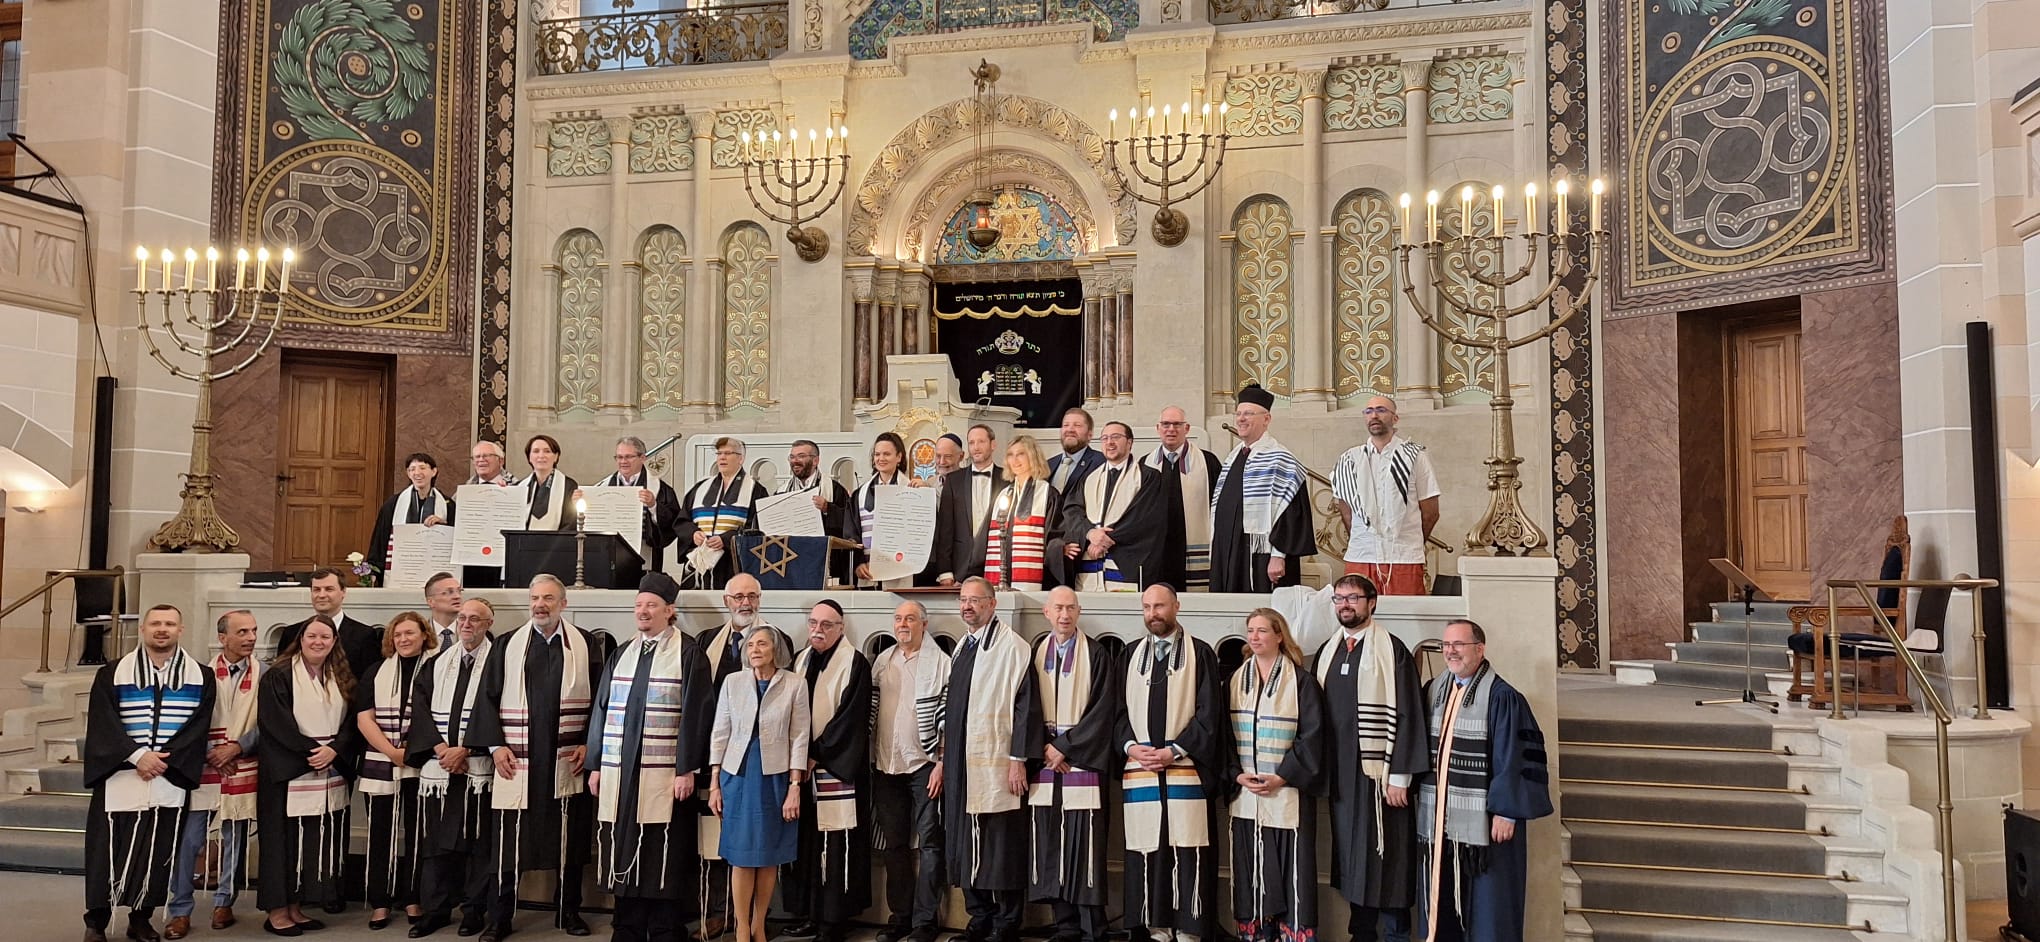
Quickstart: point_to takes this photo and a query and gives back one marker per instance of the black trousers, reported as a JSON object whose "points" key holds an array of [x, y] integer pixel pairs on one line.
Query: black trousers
{"points": [[994, 914], [467, 878], [642, 919], [904, 816], [1074, 923], [1368, 920], [1449, 929], [570, 896]]}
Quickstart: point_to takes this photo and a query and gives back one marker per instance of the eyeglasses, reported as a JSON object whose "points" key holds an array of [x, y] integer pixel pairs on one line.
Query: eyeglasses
{"points": [[1346, 599], [1114, 437], [1377, 410], [974, 599], [628, 457], [1455, 645], [744, 596], [1172, 425], [1243, 414]]}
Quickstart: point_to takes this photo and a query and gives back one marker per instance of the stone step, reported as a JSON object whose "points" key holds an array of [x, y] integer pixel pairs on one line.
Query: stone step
{"points": [[1761, 656], [1719, 678], [1751, 770], [1735, 896], [64, 777], [1717, 632], [43, 811], [42, 851], [1606, 928], [1698, 849], [1642, 804], [1770, 613]]}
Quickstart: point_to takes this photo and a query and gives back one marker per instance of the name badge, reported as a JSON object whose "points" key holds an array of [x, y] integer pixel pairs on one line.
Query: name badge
{"points": [[1345, 669]]}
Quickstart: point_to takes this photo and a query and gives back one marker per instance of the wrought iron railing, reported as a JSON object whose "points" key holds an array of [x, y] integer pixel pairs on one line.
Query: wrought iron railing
{"points": [[731, 32], [1226, 12]]}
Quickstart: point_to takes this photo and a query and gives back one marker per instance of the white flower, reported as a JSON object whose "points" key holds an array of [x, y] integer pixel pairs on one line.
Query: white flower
{"points": [[355, 557]]}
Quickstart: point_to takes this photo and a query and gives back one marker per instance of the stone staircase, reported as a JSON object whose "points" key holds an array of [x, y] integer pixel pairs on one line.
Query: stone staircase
{"points": [[1714, 658], [42, 785], [1690, 824]]}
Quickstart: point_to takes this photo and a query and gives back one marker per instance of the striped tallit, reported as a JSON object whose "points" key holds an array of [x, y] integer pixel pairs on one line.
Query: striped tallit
{"points": [[1265, 719]]}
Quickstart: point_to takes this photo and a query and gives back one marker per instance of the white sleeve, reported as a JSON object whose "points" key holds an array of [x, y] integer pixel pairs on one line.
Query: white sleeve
{"points": [[1423, 483]]}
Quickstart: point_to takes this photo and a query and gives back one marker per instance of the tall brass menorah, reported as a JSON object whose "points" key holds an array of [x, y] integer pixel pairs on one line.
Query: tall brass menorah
{"points": [[796, 185], [220, 320]]}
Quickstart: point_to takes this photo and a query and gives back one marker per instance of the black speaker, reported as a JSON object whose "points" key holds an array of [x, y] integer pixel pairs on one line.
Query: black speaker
{"points": [[2022, 871]]}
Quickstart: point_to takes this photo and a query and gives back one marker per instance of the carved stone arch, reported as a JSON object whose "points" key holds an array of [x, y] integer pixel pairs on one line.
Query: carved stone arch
{"points": [[934, 203], [902, 166]]}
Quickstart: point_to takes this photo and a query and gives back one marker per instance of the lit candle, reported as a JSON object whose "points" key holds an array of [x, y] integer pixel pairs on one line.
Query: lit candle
{"points": [[828, 142], [1596, 211], [1149, 127], [1112, 125], [743, 146], [168, 260], [212, 268], [1204, 118], [190, 263], [1186, 117], [843, 137], [1466, 211], [1561, 188], [141, 268], [1531, 223], [261, 266], [811, 143], [1431, 213], [1495, 203], [778, 148], [580, 507], [1404, 232], [240, 268], [283, 277], [1165, 120]]}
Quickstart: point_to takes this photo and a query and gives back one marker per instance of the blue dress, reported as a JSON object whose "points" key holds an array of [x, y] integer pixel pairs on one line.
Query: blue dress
{"points": [[754, 834]]}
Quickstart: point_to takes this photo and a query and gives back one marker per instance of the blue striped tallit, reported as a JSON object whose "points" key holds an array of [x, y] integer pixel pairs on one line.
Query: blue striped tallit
{"points": [[1273, 477]]}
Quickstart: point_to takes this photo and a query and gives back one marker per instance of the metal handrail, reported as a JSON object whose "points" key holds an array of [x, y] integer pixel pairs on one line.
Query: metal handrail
{"points": [[1932, 697], [658, 464], [55, 577]]}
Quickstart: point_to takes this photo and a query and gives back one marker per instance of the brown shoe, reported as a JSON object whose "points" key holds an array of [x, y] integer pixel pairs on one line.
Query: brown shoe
{"points": [[178, 927], [222, 917], [711, 927], [139, 929]]}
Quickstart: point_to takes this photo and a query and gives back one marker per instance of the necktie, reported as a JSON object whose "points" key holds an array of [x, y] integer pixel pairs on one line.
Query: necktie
{"points": [[234, 671], [445, 639], [1111, 481], [1351, 643], [1162, 653], [969, 643], [1176, 463], [647, 648], [467, 660]]}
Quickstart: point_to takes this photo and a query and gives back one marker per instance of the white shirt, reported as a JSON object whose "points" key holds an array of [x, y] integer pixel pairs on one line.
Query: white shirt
{"points": [[980, 496], [1386, 528], [899, 731]]}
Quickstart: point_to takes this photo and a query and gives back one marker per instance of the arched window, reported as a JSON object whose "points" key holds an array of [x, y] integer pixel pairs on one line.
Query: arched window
{"points": [[1466, 374], [1363, 296], [1263, 294], [662, 310], [578, 261], [747, 315]]}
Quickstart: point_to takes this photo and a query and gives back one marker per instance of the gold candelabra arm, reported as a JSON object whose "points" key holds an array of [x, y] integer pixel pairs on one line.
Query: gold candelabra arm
{"points": [[788, 190]]}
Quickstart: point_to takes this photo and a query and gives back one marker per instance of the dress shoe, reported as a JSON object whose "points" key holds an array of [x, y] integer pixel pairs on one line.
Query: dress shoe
{"points": [[805, 930], [94, 935], [428, 924], [140, 930], [222, 917], [711, 927], [379, 924], [471, 922], [271, 928], [178, 927], [311, 925], [893, 934], [924, 934], [495, 933], [573, 923]]}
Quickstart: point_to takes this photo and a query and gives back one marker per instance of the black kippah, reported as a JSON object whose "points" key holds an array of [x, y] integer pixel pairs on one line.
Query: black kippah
{"points": [[832, 604]]}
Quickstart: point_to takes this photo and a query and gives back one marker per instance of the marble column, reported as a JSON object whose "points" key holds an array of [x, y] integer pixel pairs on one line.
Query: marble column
{"points": [[1093, 335], [1310, 319], [1108, 343], [1126, 336], [860, 329], [548, 373], [1416, 358], [619, 325], [888, 292], [703, 355]]}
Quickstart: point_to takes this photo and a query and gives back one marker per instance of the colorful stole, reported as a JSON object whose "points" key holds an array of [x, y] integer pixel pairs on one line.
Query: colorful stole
{"points": [[713, 513], [1104, 574], [433, 780], [835, 798], [1016, 543], [1195, 483], [1272, 479], [997, 670], [231, 795], [151, 716], [380, 776], [513, 794], [1065, 688], [1264, 719], [867, 499], [1178, 784], [655, 759]]}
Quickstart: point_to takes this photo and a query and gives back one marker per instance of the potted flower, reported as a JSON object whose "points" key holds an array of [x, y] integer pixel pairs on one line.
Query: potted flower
{"points": [[364, 572]]}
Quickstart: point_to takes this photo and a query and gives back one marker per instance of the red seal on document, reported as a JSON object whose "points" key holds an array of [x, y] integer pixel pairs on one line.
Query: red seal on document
{"points": [[899, 557]]}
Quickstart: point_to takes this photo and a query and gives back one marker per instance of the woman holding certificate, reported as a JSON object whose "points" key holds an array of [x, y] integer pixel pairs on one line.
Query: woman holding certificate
{"points": [[887, 452]]}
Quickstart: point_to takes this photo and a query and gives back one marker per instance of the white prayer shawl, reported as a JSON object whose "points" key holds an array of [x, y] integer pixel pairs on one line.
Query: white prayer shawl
{"points": [[513, 794], [835, 798], [1144, 791], [997, 671], [433, 779], [1374, 702], [718, 644], [400, 514], [151, 727], [1355, 483], [931, 693], [1272, 479], [1265, 724], [380, 776], [1195, 480], [655, 764], [1105, 514], [318, 708], [232, 796], [548, 517], [1065, 696]]}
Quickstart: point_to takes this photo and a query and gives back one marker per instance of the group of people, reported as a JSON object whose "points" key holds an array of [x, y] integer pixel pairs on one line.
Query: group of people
{"points": [[697, 773], [1102, 518]]}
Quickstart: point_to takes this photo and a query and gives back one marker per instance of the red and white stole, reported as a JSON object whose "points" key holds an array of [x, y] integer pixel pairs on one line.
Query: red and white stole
{"points": [[231, 795]]}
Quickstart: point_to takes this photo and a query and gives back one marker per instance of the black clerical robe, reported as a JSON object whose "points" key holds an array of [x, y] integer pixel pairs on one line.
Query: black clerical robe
{"points": [[985, 851], [418, 511], [1274, 868], [830, 883], [130, 853], [1483, 884], [660, 519], [360, 641], [532, 839], [1069, 842], [301, 855], [1176, 887], [1384, 879], [1238, 563], [714, 507], [636, 859], [454, 818], [1143, 508]]}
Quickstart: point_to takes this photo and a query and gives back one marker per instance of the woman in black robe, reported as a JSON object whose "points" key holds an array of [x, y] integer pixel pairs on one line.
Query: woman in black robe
{"points": [[1278, 719], [302, 854], [383, 716]]}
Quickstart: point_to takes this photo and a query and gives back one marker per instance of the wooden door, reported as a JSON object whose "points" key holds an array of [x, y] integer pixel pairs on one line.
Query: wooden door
{"points": [[1768, 451], [333, 463]]}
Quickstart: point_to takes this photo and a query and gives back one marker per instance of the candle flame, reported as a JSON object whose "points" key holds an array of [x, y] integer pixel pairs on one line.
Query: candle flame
{"points": [[1596, 186], [212, 254], [1560, 187], [1530, 190], [141, 253], [1431, 198], [1405, 201], [241, 255]]}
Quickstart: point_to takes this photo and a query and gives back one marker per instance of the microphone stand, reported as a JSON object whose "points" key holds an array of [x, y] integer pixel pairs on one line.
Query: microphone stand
{"points": [[1749, 695]]}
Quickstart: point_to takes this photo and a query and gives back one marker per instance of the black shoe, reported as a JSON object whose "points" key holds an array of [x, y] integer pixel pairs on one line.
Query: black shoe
{"points": [[271, 928], [311, 925], [379, 924], [496, 933], [572, 922], [334, 908], [924, 934], [893, 934], [806, 929], [472, 921], [140, 931], [428, 924]]}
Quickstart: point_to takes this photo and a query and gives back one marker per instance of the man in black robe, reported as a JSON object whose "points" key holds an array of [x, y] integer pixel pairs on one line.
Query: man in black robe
{"points": [[661, 502], [1124, 522], [804, 475], [830, 883], [723, 647], [145, 739], [453, 842], [992, 731], [1080, 710], [1196, 472], [360, 641], [1376, 723], [712, 510], [653, 715], [1260, 520], [1180, 777], [533, 712], [963, 510]]}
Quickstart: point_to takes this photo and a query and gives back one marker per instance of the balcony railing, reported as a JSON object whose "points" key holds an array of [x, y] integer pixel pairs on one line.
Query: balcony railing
{"points": [[733, 32], [1225, 12]]}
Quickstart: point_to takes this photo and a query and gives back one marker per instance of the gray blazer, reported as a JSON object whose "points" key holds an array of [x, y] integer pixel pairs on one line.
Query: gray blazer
{"points": [[781, 722]]}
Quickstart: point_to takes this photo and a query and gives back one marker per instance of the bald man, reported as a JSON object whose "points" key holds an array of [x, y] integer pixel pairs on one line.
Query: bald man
{"points": [[1388, 495], [1196, 474], [1079, 708]]}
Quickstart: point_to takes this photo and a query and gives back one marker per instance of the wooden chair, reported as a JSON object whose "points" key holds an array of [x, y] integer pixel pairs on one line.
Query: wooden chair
{"points": [[1810, 648]]}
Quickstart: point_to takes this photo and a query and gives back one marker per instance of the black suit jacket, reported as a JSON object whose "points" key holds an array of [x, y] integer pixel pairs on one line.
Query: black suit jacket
{"points": [[1088, 460], [959, 547], [360, 641]]}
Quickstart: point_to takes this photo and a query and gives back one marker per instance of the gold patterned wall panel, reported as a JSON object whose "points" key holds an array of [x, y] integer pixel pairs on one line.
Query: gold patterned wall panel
{"points": [[1363, 295], [1364, 97], [661, 143], [1471, 88], [1465, 375], [747, 316], [1264, 104], [661, 310], [1263, 269], [577, 317], [577, 148], [731, 125]]}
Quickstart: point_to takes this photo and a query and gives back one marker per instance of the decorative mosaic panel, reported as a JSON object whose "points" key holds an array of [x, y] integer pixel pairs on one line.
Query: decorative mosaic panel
{"points": [[730, 126], [1473, 88], [661, 311], [1364, 97], [1363, 295], [577, 148], [1264, 104], [884, 19], [1033, 227], [747, 316], [661, 143], [1467, 374], [1263, 270], [1575, 507], [1750, 137], [492, 365], [348, 131], [577, 307]]}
